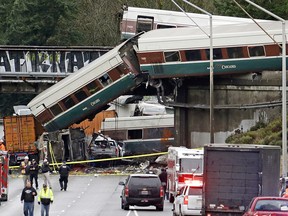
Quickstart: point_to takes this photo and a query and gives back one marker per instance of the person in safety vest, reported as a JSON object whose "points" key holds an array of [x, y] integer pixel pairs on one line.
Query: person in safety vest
{"points": [[64, 173], [45, 198]]}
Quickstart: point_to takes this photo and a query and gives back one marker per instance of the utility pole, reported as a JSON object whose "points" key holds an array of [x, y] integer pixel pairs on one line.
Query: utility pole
{"points": [[284, 99], [210, 35]]}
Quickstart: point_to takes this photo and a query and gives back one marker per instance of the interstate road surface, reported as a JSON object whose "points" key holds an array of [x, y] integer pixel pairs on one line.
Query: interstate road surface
{"points": [[85, 196]]}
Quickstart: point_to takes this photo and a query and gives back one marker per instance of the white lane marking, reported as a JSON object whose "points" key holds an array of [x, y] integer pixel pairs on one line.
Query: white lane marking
{"points": [[128, 213], [135, 212]]}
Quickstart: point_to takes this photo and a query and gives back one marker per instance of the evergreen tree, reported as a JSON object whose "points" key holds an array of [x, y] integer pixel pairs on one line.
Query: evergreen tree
{"points": [[33, 22], [230, 8]]}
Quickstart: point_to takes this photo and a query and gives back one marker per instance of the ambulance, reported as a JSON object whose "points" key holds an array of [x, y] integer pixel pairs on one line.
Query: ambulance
{"points": [[184, 166]]}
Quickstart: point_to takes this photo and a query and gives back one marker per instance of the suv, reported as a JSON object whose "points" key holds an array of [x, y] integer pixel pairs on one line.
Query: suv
{"points": [[189, 200], [142, 190]]}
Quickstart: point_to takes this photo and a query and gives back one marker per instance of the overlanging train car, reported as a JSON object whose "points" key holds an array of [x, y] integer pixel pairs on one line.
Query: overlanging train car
{"points": [[88, 91]]}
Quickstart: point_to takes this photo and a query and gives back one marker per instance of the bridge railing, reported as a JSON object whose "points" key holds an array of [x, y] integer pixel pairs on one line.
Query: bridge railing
{"points": [[45, 61]]}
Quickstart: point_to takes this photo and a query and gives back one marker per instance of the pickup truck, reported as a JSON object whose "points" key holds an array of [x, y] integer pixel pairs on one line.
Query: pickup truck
{"points": [[103, 147]]}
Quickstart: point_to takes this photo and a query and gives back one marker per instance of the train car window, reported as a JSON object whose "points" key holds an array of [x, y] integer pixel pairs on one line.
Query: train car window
{"points": [[217, 53], [45, 116], [114, 74], [80, 95], [144, 23], [161, 26], [122, 70], [56, 109], [235, 52], [68, 102], [172, 56], [135, 134], [256, 51], [105, 79], [93, 87], [193, 55]]}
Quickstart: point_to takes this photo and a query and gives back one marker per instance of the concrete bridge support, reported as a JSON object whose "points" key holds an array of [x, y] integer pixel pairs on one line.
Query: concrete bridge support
{"points": [[192, 123]]}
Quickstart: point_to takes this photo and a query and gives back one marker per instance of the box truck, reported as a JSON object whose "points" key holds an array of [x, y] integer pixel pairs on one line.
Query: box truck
{"points": [[234, 174]]}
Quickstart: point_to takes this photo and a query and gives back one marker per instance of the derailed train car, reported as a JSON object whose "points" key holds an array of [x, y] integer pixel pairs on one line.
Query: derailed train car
{"points": [[88, 91]]}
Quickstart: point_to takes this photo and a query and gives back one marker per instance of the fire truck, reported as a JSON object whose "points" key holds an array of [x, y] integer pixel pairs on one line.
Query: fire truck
{"points": [[184, 166], [4, 169]]}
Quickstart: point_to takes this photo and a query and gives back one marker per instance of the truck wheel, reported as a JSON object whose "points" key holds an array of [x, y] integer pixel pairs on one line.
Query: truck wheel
{"points": [[126, 207], [4, 197]]}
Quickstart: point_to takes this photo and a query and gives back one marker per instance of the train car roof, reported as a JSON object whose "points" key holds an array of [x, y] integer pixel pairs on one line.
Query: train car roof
{"points": [[81, 74], [225, 35], [180, 18]]}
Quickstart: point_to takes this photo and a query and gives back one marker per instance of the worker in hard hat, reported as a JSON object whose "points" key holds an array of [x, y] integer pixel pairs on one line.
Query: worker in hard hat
{"points": [[2, 146], [25, 169]]}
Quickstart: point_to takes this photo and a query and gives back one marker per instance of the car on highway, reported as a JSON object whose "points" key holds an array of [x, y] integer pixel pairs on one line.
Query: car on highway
{"points": [[142, 190], [262, 206], [189, 199]]}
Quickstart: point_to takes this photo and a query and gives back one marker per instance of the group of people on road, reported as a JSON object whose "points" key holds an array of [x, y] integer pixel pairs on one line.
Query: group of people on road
{"points": [[45, 198], [30, 170]]}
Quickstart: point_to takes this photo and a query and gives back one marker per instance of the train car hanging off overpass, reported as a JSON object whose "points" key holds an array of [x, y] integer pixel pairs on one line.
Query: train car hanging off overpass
{"points": [[88, 91]]}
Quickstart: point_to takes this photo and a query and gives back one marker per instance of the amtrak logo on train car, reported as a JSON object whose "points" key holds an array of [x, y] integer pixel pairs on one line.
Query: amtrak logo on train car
{"points": [[228, 66], [223, 67], [93, 103]]}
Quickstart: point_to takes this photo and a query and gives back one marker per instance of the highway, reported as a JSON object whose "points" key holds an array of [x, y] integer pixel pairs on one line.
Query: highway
{"points": [[86, 196]]}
